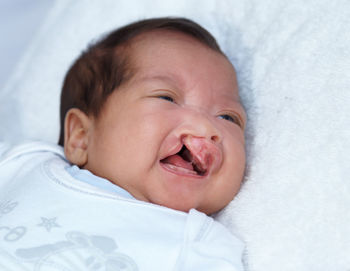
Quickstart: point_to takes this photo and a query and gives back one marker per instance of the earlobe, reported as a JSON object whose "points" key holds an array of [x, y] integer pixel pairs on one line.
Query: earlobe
{"points": [[76, 135]]}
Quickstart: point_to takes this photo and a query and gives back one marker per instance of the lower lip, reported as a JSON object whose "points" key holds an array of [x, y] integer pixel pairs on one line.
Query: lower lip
{"points": [[181, 171]]}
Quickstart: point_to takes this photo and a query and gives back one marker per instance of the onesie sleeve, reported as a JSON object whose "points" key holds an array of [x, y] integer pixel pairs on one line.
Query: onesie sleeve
{"points": [[209, 246]]}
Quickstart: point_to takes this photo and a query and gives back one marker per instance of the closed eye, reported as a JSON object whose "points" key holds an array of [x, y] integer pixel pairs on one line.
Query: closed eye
{"points": [[231, 118], [167, 98]]}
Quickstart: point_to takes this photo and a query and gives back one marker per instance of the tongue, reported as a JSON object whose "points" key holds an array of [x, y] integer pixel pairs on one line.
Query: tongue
{"points": [[177, 160]]}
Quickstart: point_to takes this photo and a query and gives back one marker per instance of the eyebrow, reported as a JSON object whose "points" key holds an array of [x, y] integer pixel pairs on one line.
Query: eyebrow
{"points": [[172, 79], [233, 103]]}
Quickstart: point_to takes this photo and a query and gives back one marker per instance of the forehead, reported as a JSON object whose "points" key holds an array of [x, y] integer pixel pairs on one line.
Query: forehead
{"points": [[181, 60]]}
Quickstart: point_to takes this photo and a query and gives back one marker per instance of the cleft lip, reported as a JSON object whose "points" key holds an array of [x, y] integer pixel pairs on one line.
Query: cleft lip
{"points": [[205, 155], [198, 167], [197, 164], [188, 160], [174, 150]]}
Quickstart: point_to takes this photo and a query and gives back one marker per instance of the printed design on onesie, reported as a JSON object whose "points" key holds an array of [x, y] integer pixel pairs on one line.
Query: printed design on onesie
{"points": [[48, 223], [10, 233], [7, 207], [78, 252]]}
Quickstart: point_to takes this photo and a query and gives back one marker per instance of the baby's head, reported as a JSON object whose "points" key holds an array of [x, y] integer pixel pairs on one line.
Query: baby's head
{"points": [[154, 108]]}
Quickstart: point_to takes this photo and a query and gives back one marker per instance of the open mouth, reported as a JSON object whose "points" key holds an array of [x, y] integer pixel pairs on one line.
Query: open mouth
{"points": [[184, 162]]}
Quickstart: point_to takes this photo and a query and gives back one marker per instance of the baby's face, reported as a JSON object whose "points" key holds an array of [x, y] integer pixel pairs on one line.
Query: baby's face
{"points": [[173, 135]]}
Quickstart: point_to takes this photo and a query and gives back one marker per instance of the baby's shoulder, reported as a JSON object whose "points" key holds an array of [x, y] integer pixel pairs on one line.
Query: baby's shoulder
{"points": [[23, 160], [28, 149]]}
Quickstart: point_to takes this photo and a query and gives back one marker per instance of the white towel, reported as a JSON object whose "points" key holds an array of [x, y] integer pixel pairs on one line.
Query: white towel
{"points": [[293, 211], [293, 64]]}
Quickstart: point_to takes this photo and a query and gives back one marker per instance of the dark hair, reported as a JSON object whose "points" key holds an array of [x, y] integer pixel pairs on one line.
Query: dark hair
{"points": [[103, 67]]}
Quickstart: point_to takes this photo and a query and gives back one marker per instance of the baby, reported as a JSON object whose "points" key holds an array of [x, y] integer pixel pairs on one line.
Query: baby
{"points": [[153, 135]]}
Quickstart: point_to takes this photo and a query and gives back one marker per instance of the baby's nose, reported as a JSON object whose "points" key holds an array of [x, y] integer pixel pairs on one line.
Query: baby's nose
{"points": [[200, 125]]}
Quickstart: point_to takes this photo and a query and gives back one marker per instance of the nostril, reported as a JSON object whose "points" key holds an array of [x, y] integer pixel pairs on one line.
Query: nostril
{"points": [[215, 138]]}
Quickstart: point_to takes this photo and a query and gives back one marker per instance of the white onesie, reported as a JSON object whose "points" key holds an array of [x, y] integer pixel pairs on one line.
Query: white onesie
{"points": [[52, 221]]}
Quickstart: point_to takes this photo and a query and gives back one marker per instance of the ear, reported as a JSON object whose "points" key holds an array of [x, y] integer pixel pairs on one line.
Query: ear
{"points": [[76, 135]]}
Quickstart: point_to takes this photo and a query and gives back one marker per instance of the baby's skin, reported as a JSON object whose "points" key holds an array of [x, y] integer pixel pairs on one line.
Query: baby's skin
{"points": [[173, 134]]}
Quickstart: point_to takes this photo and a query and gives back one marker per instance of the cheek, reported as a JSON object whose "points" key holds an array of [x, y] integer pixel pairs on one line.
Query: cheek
{"points": [[233, 168], [154, 119], [142, 132], [235, 154]]}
